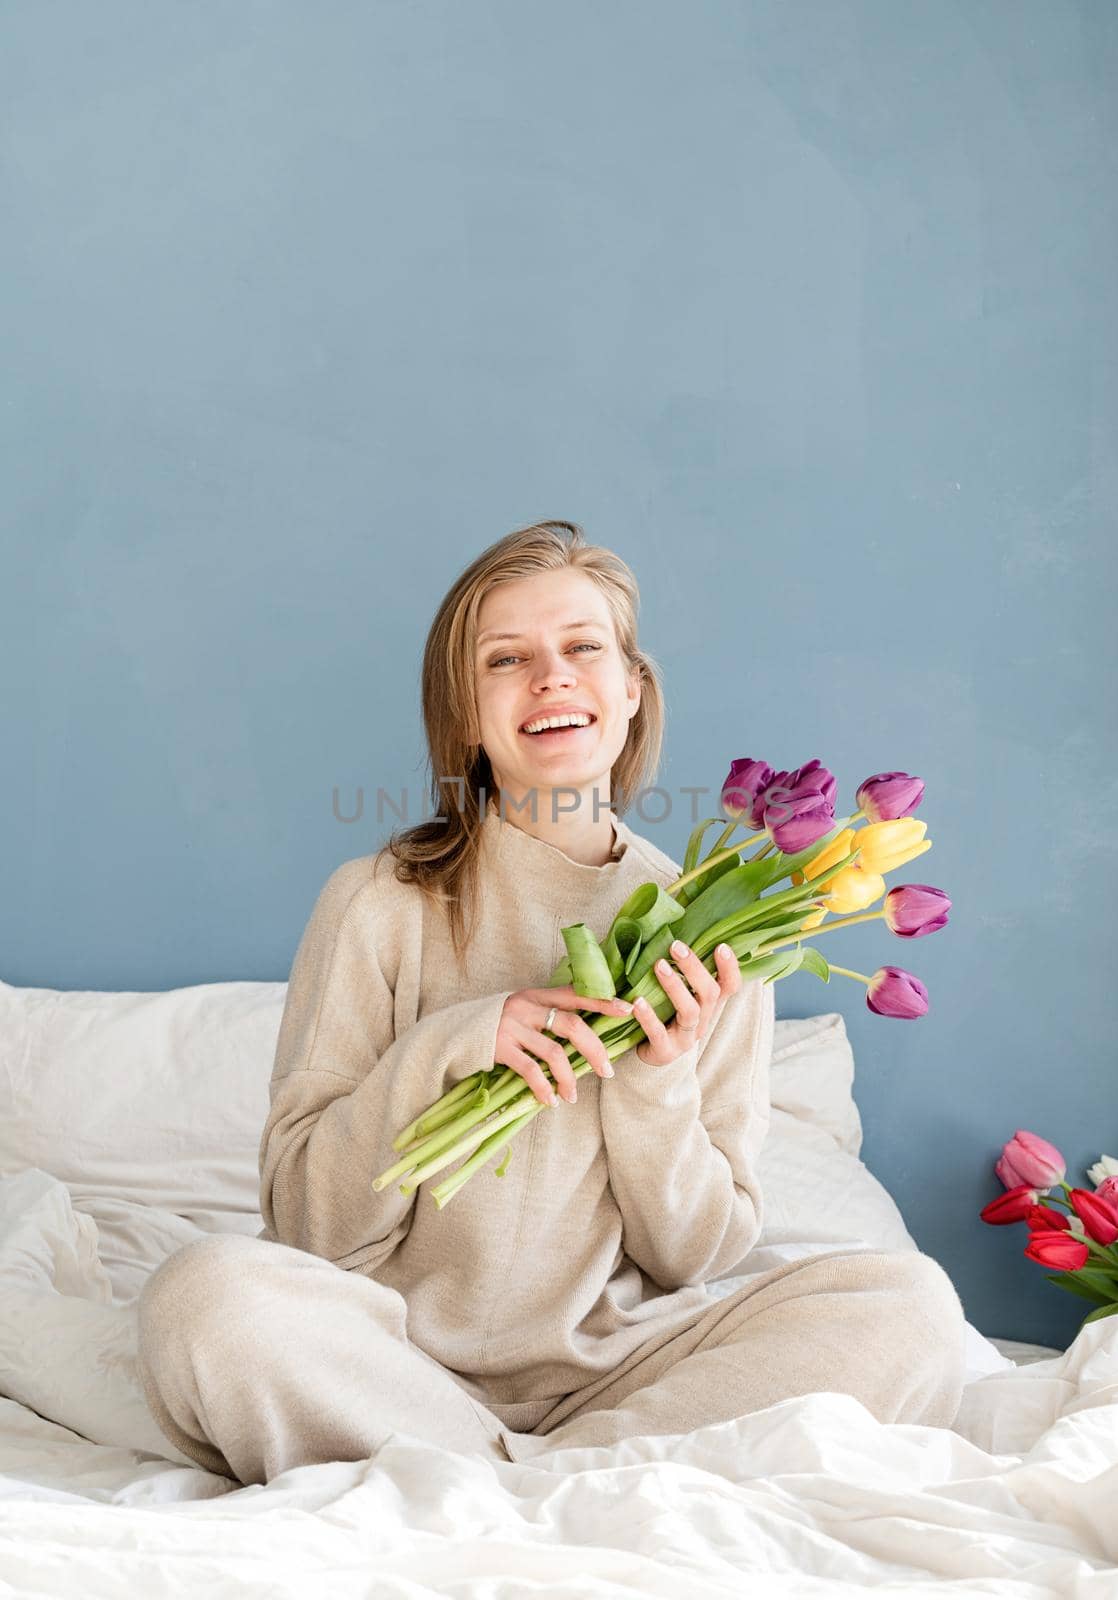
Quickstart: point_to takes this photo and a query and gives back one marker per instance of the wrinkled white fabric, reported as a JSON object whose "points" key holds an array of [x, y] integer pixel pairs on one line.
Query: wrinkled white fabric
{"points": [[811, 1496]]}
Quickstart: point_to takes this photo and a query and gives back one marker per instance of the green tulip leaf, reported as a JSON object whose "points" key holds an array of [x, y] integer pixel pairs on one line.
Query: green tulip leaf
{"points": [[591, 971], [691, 891], [644, 958], [814, 962], [622, 945], [651, 906], [771, 967], [1080, 1283], [562, 975], [731, 893], [695, 842]]}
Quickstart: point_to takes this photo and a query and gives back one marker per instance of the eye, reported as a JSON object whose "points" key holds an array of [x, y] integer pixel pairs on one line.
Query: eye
{"points": [[586, 645]]}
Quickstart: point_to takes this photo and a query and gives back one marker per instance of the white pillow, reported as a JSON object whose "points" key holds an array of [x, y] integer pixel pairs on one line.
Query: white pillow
{"points": [[816, 1188], [813, 1076], [155, 1099]]}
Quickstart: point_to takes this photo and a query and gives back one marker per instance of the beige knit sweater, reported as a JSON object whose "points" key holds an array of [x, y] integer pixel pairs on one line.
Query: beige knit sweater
{"points": [[612, 1213]]}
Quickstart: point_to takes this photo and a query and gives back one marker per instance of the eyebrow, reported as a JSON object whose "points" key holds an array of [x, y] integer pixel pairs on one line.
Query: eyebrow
{"points": [[584, 622]]}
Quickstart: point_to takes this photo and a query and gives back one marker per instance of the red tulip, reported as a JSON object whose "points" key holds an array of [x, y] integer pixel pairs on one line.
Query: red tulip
{"points": [[1051, 1248], [1044, 1218], [1013, 1206], [1028, 1158], [1098, 1216]]}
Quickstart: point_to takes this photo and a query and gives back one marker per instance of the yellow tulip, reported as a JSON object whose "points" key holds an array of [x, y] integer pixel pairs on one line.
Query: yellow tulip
{"points": [[885, 845], [853, 890], [813, 919], [839, 846]]}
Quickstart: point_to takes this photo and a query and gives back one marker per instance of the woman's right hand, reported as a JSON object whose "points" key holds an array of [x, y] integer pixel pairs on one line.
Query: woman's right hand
{"points": [[520, 1037]]}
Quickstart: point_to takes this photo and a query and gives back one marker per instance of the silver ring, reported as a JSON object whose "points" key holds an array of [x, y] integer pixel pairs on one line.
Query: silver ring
{"points": [[550, 1018]]}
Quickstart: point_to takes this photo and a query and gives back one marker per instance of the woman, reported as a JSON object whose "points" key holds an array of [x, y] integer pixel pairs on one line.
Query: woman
{"points": [[564, 1302]]}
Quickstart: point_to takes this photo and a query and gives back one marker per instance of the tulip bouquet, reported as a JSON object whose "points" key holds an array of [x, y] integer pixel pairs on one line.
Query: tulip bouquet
{"points": [[723, 896], [1080, 1243]]}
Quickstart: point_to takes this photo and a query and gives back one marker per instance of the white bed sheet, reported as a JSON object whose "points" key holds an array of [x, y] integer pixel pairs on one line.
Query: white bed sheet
{"points": [[812, 1496]]}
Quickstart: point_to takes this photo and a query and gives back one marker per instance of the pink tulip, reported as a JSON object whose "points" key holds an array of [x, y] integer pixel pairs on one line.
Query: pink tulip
{"points": [[799, 806], [893, 992], [1108, 1190], [1014, 1206], [914, 909], [796, 808], [889, 795], [1027, 1158], [744, 783], [1060, 1250], [1099, 1217]]}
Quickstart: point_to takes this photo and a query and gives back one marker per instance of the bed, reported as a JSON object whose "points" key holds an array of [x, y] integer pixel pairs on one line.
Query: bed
{"points": [[129, 1125]]}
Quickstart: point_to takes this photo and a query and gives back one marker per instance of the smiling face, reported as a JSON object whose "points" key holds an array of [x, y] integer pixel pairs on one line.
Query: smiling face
{"points": [[551, 663]]}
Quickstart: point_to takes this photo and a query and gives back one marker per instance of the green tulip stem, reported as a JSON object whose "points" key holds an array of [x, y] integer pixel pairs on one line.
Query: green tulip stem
{"points": [[1108, 1257], [436, 1114], [719, 854], [712, 860], [846, 973], [515, 1102], [725, 834], [825, 927]]}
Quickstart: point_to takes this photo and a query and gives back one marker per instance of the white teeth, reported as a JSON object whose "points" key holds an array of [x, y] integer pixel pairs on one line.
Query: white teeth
{"points": [[574, 720]]}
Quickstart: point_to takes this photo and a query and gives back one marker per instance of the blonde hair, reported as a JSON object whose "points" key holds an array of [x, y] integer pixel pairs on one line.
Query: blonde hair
{"points": [[443, 858]]}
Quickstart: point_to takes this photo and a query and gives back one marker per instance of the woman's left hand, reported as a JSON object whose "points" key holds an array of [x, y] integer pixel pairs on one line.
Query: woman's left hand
{"points": [[698, 1003]]}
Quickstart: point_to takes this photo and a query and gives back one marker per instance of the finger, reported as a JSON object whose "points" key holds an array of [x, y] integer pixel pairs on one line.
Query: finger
{"points": [[533, 1075], [687, 1008], [729, 972], [587, 1041], [565, 997], [698, 975], [655, 1032], [552, 1052], [727, 984], [713, 987]]}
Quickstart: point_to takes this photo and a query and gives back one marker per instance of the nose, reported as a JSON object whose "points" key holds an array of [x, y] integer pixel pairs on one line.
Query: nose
{"points": [[555, 669]]}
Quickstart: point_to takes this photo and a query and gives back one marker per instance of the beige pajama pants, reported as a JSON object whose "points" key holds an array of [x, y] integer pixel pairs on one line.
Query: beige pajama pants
{"points": [[256, 1357]]}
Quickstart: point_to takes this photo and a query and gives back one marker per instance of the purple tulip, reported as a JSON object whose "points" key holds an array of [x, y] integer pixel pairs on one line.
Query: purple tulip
{"points": [[889, 795], [799, 806], [893, 992], [1028, 1158], [914, 909], [744, 783]]}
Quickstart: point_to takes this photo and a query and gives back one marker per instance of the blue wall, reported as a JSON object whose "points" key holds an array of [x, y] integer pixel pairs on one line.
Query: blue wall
{"points": [[807, 309]]}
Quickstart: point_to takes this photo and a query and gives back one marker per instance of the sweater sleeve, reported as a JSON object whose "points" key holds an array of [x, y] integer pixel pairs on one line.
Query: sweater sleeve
{"points": [[682, 1143], [343, 1086]]}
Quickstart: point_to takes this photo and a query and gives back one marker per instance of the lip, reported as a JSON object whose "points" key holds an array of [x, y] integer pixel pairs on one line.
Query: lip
{"points": [[559, 711]]}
